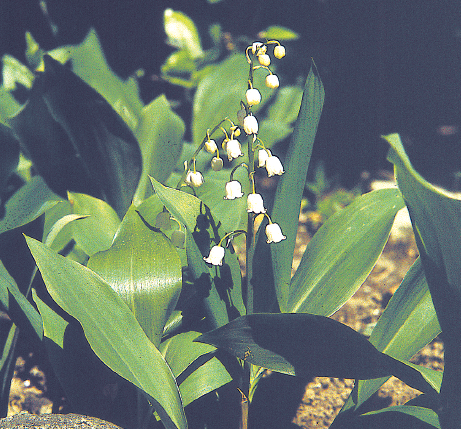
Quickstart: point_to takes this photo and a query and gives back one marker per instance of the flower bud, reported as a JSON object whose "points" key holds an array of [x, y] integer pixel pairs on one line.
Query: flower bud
{"points": [[210, 146], [194, 179], [233, 190], [255, 46], [233, 149], [163, 220], [274, 233], [253, 96], [217, 163], [279, 51], [272, 81], [250, 125], [216, 255], [274, 166], [178, 238], [263, 154], [264, 60], [255, 203]]}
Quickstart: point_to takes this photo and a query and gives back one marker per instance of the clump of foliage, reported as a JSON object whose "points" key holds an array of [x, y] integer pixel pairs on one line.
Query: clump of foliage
{"points": [[140, 291]]}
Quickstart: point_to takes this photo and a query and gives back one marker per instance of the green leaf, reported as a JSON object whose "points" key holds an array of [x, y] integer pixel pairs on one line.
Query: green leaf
{"points": [[111, 329], [300, 344], [144, 268], [182, 32], [20, 310], [27, 204], [342, 253], [435, 215], [225, 296], [14, 72], [160, 135], [9, 107], [194, 364], [402, 416], [76, 140], [408, 323], [279, 33], [96, 232], [289, 192]]}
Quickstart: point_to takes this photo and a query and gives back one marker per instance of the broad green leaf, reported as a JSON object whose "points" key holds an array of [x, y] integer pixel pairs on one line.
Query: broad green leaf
{"points": [[182, 32], [89, 63], [279, 33], [193, 366], [402, 416], [144, 268], [203, 225], [27, 204], [219, 94], [343, 252], [111, 330], [300, 344], [408, 323], [435, 215], [289, 192], [96, 232], [9, 107], [7, 365], [76, 140], [20, 310], [160, 133], [80, 372]]}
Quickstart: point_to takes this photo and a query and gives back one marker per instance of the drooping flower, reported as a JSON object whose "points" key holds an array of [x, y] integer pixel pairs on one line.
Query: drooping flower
{"points": [[274, 166], [210, 146], [264, 60], [216, 255], [255, 46], [217, 163], [253, 96], [255, 203], [279, 51], [272, 81], [263, 154], [274, 233], [194, 178], [233, 190], [233, 149], [250, 125]]}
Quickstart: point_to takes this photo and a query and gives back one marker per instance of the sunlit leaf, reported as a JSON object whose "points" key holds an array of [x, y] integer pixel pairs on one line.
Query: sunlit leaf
{"points": [[343, 252], [111, 329], [144, 268], [96, 232], [289, 192], [279, 33]]}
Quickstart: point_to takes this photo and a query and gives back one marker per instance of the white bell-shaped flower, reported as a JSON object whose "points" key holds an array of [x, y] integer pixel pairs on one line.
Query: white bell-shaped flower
{"points": [[216, 255], [274, 166], [233, 190], [255, 204], [255, 46], [250, 125], [263, 154], [274, 233], [279, 51], [253, 96], [194, 179], [233, 149], [272, 81], [210, 146]]}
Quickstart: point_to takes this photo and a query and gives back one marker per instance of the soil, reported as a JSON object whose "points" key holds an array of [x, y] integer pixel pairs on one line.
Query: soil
{"points": [[323, 397]]}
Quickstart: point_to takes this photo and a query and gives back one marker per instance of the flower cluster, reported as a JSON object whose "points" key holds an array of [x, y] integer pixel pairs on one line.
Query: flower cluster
{"points": [[257, 54]]}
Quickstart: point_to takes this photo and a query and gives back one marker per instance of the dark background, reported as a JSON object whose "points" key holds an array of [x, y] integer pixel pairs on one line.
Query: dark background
{"points": [[387, 66]]}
